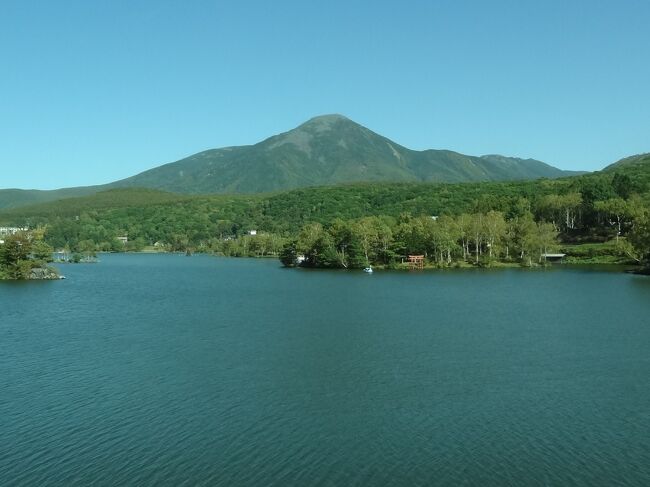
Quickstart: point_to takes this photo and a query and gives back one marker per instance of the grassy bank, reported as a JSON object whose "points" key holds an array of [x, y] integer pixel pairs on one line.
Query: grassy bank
{"points": [[611, 252]]}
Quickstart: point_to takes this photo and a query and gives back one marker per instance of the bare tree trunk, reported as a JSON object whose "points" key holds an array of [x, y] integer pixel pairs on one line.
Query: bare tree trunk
{"points": [[567, 219]]}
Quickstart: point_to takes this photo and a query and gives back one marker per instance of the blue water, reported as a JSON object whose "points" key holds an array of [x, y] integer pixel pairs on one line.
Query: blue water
{"points": [[168, 370]]}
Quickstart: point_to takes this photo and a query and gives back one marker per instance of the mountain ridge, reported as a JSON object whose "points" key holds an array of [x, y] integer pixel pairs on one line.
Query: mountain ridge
{"points": [[325, 150], [634, 160]]}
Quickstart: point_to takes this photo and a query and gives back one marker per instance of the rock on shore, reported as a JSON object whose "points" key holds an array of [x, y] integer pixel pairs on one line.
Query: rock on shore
{"points": [[43, 273]]}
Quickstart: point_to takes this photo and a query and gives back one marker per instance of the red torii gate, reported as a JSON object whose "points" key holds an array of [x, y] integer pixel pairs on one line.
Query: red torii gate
{"points": [[416, 261]]}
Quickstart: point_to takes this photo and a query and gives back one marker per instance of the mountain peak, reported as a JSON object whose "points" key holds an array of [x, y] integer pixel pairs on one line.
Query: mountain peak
{"points": [[328, 149], [328, 117], [324, 122]]}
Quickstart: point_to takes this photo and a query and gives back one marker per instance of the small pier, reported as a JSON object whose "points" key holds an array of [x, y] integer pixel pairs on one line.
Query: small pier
{"points": [[553, 257]]}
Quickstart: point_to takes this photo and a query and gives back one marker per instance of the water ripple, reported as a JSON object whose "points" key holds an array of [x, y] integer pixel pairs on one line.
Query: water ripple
{"points": [[159, 370]]}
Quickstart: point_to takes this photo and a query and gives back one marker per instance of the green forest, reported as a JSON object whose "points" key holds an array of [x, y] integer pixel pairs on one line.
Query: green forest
{"points": [[599, 217], [25, 255]]}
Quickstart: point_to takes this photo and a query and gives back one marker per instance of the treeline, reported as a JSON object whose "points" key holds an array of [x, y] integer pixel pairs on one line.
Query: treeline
{"points": [[590, 208], [479, 238]]}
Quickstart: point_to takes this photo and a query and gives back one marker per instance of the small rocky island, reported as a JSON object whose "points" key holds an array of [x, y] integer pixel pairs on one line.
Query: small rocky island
{"points": [[44, 274], [25, 256]]}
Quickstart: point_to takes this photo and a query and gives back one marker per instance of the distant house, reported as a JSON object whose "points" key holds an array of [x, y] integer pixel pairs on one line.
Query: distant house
{"points": [[124, 240], [6, 231], [61, 255]]}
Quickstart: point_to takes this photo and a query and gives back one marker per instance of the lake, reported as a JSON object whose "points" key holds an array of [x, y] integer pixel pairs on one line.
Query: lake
{"points": [[169, 370]]}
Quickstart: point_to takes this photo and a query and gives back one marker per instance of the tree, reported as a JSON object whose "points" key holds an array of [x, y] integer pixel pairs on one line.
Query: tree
{"points": [[289, 254], [308, 236], [639, 237], [622, 185], [561, 209], [617, 208], [318, 247], [570, 204], [477, 229], [14, 255], [546, 237], [384, 240], [413, 235], [495, 231], [342, 237], [365, 232], [41, 251], [464, 224], [524, 241], [446, 235]]}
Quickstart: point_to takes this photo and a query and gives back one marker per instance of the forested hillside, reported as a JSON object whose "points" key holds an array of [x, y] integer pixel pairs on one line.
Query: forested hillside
{"points": [[597, 207], [14, 198]]}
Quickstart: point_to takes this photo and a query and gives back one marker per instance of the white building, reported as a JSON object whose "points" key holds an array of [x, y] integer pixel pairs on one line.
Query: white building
{"points": [[5, 231]]}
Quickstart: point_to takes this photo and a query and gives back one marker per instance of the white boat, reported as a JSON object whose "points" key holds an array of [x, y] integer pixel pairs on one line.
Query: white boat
{"points": [[368, 270]]}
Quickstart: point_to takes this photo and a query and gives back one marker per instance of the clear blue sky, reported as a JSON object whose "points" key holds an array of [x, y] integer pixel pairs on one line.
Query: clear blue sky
{"points": [[93, 91]]}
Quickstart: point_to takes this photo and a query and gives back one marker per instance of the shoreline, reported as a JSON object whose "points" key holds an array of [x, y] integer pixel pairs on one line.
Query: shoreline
{"points": [[627, 267]]}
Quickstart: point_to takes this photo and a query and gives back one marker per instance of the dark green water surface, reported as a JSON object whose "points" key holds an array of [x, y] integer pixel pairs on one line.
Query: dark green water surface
{"points": [[167, 370]]}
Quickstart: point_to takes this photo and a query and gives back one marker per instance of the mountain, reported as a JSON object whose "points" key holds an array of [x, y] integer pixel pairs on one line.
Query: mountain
{"points": [[14, 198], [636, 160], [326, 150], [632, 172], [514, 168]]}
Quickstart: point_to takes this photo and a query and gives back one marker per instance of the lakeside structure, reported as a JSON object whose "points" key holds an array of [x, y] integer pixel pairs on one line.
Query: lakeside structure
{"points": [[7, 231], [416, 262], [557, 257]]}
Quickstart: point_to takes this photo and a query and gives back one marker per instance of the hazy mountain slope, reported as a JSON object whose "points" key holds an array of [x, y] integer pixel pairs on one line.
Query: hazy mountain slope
{"points": [[516, 168], [12, 198], [101, 200]]}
